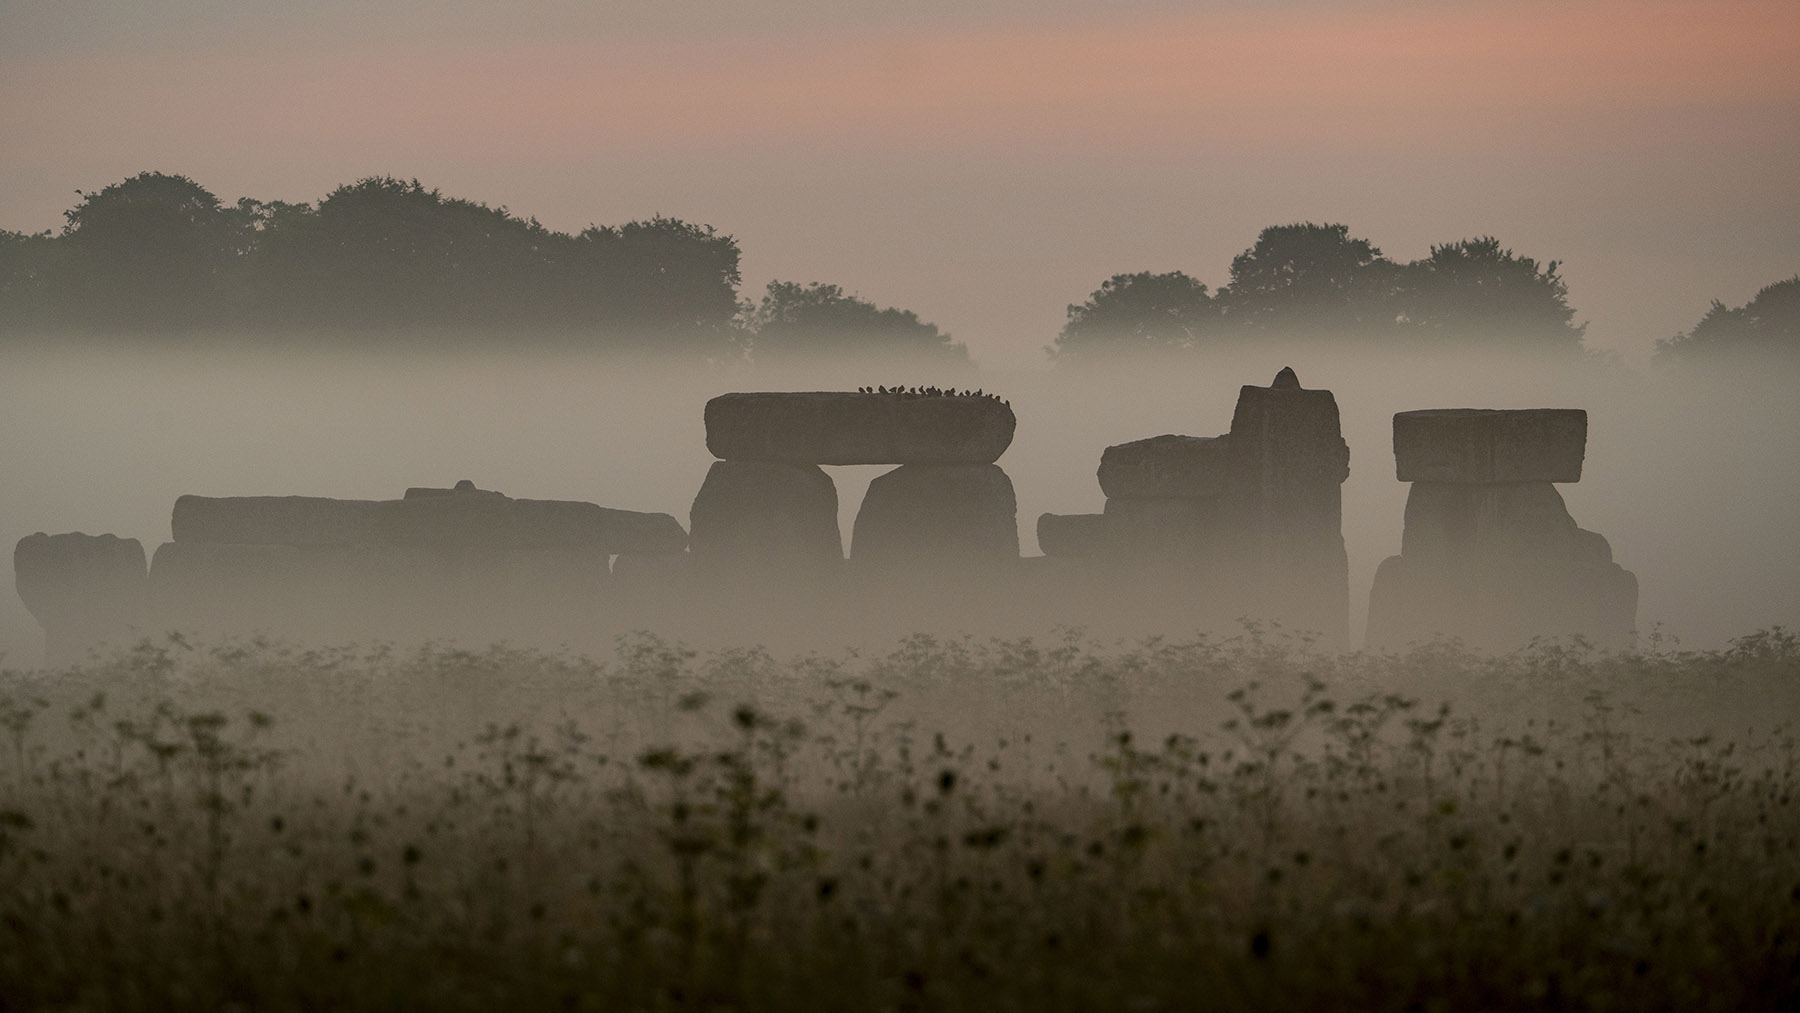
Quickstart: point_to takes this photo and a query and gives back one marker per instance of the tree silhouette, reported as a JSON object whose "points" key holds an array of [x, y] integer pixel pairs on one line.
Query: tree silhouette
{"points": [[388, 253], [153, 252], [1474, 291], [797, 321], [27, 267], [1309, 280], [1318, 282], [665, 278], [1767, 324], [1137, 313]]}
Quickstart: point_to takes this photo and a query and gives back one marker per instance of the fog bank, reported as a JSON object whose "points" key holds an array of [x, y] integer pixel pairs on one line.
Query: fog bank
{"points": [[1690, 475]]}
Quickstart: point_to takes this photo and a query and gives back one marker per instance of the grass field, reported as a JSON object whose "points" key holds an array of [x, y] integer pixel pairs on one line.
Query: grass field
{"points": [[1240, 823]]}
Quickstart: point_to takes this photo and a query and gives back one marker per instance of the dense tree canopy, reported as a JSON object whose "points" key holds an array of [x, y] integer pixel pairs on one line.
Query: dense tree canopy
{"points": [[161, 253], [1768, 324], [1473, 290], [1133, 313], [1318, 282], [797, 321], [1305, 279], [26, 263], [154, 251]]}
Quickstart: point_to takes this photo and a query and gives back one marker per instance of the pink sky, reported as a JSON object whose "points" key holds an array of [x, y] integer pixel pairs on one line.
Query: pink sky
{"points": [[987, 172]]}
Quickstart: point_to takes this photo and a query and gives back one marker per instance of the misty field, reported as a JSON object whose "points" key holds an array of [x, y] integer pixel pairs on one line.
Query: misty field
{"points": [[1237, 822]]}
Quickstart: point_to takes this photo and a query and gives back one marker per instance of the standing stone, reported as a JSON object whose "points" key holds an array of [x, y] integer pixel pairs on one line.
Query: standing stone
{"points": [[1459, 524], [766, 519], [1288, 463], [87, 591], [1502, 604], [1074, 536], [1489, 553], [938, 516]]}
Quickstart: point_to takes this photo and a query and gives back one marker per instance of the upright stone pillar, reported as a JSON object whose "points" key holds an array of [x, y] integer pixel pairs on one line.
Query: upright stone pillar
{"points": [[946, 502], [1288, 462], [944, 518], [1489, 553], [86, 591], [1164, 499], [765, 519]]}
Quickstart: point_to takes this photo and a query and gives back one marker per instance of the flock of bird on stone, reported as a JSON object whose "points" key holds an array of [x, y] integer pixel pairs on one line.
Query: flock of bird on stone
{"points": [[906, 392]]}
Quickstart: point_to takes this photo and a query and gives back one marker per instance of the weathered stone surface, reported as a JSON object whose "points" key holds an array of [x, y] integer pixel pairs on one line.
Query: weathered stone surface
{"points": [[830, 427], [460, 517], [315, 590], [1076, 536], [228, 567], [1526, 520], [86, 591], [1475, 445], [274, 520], [758, 515], [1150, 530], [1502, 604], [1288, 436], [426, 492], [557, 577], [963, 515], [218, 586], [495, 521], [1285, 510], [1166, 467], [79, 574]]}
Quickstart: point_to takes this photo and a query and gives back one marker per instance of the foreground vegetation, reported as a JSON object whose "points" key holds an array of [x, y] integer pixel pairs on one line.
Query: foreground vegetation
{"points": [[951, 824]]}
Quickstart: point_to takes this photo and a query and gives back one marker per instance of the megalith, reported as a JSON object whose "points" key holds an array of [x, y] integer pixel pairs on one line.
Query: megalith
{"points": [[1208, 529], [86, 591], [1284, 512], [940, 517], [1163, 499], [842, 427], [1073, 536], [1489, 552], [460, 561], [765, 519], [767, 503]]}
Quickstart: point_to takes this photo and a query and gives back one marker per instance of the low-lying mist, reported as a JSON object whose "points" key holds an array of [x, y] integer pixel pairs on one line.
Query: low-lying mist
{"points": [[1690, 474]]}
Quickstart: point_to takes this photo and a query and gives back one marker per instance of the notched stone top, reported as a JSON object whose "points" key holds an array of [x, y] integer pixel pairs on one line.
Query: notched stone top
{"points": [[1483, 446], [857, 427]]}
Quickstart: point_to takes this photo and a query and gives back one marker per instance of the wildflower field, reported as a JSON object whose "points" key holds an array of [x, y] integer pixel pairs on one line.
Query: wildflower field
{"points": [[955, 824]]}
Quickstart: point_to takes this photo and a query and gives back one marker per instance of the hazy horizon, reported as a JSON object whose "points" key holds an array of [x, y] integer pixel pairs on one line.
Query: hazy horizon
{"points": [[984, 165], [1687, 471]]}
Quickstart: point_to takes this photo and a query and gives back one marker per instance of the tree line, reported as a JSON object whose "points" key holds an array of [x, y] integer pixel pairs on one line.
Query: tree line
{"points": [[1310, 281], [160, 253], [1318, 281], [1769, 324]]}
